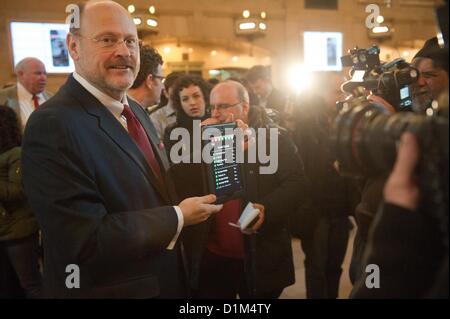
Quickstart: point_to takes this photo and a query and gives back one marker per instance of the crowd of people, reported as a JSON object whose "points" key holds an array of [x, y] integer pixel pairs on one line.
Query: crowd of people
{"points": [[87, 179]]}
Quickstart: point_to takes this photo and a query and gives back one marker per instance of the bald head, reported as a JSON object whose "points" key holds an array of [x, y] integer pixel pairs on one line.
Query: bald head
{"points": [[229, 98], [233, 87], [31, 74], [26, 63], [105, 48], [90, 10]]}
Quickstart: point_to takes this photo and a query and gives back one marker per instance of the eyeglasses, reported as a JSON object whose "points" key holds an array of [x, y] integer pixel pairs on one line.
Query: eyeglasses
{"points": [[221, 107], [162, 78], [110, 41]]}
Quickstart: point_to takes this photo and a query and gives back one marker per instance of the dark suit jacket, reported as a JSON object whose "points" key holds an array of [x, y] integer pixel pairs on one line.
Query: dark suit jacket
{"points": [[97, 202]]}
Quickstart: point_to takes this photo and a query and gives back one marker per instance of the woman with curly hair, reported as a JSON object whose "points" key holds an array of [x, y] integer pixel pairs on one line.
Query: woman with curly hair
{"points": [[18, 226], [190, 98]]}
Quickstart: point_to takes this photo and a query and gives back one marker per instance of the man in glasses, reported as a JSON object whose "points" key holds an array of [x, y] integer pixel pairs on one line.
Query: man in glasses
{"points": [[97, 181], [148, 86], [256, 265]]}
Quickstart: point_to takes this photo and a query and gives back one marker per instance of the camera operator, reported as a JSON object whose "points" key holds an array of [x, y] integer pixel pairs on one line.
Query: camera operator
{"points": [[404, 244], [432, 63], [367, 139]]}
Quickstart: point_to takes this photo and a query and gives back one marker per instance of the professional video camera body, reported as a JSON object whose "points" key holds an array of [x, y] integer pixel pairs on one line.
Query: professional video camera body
{"points": [[390, 81], [366, 135]]}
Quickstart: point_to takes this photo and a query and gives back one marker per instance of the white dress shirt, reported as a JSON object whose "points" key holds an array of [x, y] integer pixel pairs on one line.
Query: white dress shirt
{"points": [[26, 102], [116, 108], [162, 118]]}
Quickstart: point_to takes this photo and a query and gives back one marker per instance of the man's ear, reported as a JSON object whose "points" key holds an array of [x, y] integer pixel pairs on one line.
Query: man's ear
{"points": [[149, 81], [73, 46]]}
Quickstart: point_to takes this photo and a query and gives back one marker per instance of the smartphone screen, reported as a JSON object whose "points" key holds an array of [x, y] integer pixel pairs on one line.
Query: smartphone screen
{"points": [[60, 54]]}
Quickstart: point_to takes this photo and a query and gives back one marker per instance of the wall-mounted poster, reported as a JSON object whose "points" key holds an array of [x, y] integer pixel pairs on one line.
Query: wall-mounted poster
{"points": [[45, 41], [323, 50]]}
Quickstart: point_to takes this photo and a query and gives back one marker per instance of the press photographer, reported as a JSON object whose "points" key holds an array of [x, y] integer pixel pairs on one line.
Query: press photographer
{"points": [[366, 136], [410, 249]]}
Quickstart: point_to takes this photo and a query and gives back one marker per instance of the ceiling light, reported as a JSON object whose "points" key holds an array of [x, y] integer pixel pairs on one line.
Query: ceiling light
{"points": [[247, 26], [152, 22], [380, 29]]}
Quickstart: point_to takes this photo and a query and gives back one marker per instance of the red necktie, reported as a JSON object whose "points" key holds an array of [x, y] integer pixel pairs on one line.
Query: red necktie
{"points": [[35, 101], [139, 136]]}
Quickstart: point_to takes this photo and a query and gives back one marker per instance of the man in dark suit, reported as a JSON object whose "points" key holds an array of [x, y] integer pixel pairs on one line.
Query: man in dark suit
{"points": [[25, 96], [96, 179]]}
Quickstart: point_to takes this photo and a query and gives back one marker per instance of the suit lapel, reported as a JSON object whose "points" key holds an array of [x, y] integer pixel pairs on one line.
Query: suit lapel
{"points": [[157, 146], [111, 127]]}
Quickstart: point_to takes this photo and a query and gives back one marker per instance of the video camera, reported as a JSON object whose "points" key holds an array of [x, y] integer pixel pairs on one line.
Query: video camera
{"points": [[389, 81]]}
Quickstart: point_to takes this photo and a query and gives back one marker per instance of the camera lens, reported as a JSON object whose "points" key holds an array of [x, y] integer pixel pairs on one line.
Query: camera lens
{"points": [[366, 137]]}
